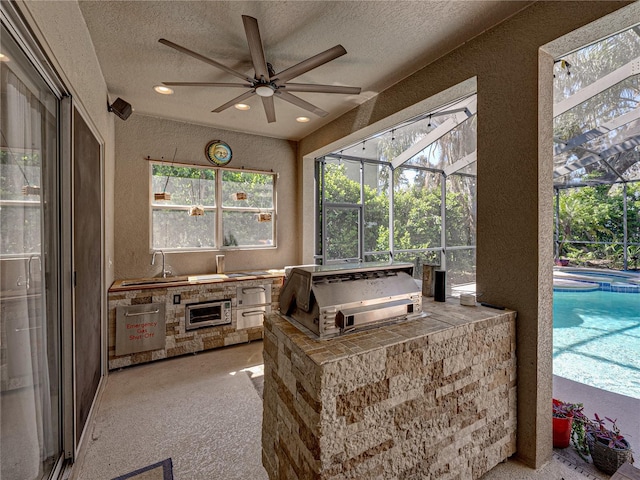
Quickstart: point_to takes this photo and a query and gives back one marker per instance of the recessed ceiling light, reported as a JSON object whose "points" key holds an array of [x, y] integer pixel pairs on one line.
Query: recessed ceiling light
{"points": [[302, 119], [242, 106], [163, 90], [3, 58]]}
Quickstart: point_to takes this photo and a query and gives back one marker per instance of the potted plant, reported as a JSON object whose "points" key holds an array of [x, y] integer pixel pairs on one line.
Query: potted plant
{"points": [[608, 448], [563, 414]]}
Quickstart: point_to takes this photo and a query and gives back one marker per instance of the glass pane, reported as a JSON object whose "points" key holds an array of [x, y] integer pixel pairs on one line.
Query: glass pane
{"points": [[449, 148], [247, 229], [606, 124], [385, 146], [247, 190], [376, 207], [341, 238], [29, 347], [461, 211], [585, 163], [20, 175], [416, 209], [461, 271], [176, 229], [377, 257], [591, 214], [633, 219], [593, 62], [591, 229], [419, 259], [20, 226], [187, 186], [342, 182]]}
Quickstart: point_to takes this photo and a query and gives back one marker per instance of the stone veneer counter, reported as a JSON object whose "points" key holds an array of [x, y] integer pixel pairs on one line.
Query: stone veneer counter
{"points": [[428, 398], [175, 294]]}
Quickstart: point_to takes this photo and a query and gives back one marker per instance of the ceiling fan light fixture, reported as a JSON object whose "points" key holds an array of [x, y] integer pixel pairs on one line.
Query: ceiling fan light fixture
{"points": [[265, 90], [242, 106], [302, 119], [163, 90]]}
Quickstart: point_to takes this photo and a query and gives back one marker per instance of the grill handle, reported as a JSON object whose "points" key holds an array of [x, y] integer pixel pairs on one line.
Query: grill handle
{"points": [[352, 317]]}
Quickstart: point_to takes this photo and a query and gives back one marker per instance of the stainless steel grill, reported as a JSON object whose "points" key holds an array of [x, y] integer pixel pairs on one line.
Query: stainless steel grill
{"points": [[336, 299]]}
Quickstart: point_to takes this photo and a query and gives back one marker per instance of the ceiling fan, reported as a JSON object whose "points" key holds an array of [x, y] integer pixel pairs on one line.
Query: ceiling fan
{"points": [[266, 82]]}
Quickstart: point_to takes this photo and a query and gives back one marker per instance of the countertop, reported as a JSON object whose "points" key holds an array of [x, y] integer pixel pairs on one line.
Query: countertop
{"points": [[441, 316], [187, 280]]}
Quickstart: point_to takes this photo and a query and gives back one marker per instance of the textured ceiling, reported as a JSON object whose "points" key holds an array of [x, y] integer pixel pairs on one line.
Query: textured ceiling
{"points": [[385, 41]]}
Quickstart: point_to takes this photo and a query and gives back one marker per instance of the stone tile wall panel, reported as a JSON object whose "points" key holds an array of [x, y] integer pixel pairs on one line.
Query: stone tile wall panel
{"points": [[440, 404]]}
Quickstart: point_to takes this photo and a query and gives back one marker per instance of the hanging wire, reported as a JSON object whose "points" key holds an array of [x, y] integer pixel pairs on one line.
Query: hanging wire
{"points": [[443, 110], [167, 182]]}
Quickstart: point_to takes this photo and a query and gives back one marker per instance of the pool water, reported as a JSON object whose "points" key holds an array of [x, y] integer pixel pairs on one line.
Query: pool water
{"points": [[596, 339]]}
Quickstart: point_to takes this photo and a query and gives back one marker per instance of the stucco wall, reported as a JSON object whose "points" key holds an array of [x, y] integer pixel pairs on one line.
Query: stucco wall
{"points": [[514, 238], [140, 137]]}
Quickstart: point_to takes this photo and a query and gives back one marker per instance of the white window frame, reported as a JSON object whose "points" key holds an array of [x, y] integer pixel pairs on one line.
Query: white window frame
{"points": [[218, 208]]}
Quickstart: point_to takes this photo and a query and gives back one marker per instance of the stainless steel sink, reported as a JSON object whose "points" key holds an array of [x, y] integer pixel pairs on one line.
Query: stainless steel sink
{"points": [[152, 281]]}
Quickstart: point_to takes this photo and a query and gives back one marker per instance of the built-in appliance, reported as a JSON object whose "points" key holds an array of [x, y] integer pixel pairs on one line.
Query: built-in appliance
{"points": [[333, 300], [254, 302], [207, 314]]}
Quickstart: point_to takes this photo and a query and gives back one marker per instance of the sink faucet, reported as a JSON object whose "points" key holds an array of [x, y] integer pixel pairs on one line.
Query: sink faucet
{"points": [[153, 262]]}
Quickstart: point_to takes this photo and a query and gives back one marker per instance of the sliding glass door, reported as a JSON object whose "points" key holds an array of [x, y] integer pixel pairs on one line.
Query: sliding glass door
{"points": [[30, 359]]}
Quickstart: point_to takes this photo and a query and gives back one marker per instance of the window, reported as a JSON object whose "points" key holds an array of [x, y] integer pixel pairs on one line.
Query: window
{"points": [[407, 194], [196, 208]]}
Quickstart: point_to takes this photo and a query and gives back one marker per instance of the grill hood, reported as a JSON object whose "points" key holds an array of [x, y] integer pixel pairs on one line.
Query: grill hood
{"points": [[333, 300]]}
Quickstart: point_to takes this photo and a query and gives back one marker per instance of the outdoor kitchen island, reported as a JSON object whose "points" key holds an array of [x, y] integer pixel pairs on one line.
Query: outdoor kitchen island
{"points": [[433, 397]]}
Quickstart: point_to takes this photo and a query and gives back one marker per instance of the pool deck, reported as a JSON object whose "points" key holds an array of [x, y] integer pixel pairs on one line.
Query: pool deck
{"points": [[613, 405], [575, 279]]}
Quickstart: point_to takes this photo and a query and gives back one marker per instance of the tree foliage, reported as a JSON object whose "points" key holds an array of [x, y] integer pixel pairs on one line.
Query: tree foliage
{"points": [[416, 211], [595, 214]]}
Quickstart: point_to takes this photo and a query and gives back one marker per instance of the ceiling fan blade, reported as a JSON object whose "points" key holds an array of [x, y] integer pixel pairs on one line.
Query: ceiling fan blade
{"points": [[310, 64], [269, 109], [205, 59], [287, 97], [304, 87], [255, 47], [205, 84], [232, 102]]}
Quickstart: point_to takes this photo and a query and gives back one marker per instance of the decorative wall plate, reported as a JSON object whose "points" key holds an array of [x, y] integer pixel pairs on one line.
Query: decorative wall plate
{"points": [[218, 152]]}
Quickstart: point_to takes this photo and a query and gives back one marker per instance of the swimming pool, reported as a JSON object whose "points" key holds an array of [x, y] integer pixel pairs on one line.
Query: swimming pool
{"points": [[596, 338], [589, 279]]}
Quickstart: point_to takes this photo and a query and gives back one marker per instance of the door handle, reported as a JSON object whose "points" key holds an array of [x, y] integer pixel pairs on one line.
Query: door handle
{"points": [[255, 289], [137, 314]]}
